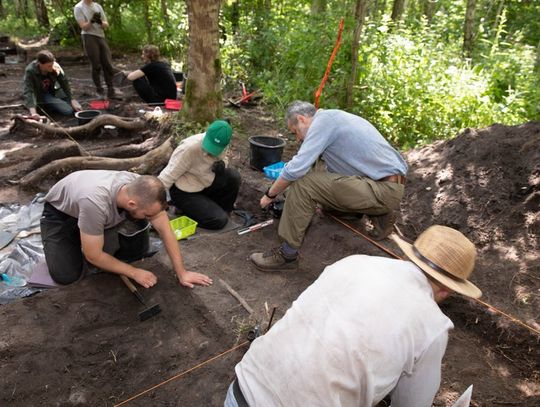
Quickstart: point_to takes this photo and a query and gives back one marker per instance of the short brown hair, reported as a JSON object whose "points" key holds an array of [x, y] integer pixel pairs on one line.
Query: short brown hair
{"points": [[45, 56], [151, 52], [147, 190]]}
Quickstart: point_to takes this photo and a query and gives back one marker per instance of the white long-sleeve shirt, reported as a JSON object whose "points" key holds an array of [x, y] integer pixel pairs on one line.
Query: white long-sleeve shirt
{"points": [[367, 327]]}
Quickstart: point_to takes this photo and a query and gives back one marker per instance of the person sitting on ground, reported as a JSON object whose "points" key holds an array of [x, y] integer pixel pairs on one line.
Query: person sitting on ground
{"points": [[154, 82], [46, 86], [368, 327], [201, 185], [79, 219], [364, 175]]}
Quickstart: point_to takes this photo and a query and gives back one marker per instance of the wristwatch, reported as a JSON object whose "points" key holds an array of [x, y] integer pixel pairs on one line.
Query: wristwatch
{"points": [[267, 193]]}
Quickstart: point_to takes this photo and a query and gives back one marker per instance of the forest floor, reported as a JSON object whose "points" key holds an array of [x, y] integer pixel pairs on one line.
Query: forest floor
{"points": [[83, 344]]}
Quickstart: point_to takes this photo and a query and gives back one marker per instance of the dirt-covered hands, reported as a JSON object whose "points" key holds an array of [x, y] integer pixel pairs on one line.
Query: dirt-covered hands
{"points": [[76, 105], [189, 279], [145, 278]]}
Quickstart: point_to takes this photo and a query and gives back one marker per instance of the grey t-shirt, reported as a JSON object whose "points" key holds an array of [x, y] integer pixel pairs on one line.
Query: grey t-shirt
{"points": [[90, 196], [84, 12]]}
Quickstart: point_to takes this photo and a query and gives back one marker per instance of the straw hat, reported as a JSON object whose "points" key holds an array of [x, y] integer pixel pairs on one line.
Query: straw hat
{"points": [[446, 255]]}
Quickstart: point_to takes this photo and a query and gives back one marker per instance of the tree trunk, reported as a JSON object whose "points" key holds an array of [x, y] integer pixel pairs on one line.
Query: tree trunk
{"points": [[378, 9], [359, 16], [148, 22], [429, 10], [164, 8], [41, 13], [115, 16], [397, 10], [537, 62], [235, 16], [318, 7], [468, 30], [21, 10], [203, 102]]}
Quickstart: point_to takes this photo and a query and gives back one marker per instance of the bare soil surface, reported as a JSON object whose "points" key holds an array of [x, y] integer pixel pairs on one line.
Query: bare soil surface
{"points": [[84, 345]]}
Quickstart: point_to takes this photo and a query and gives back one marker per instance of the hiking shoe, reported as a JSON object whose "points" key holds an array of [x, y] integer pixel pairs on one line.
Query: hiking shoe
{"points": [[382, 225], [273, 260], [120, 79], [114, 94]]}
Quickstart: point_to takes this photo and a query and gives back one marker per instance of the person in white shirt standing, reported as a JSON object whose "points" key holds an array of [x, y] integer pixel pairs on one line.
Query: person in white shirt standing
{"points": [[368, 327], [93, 22]]}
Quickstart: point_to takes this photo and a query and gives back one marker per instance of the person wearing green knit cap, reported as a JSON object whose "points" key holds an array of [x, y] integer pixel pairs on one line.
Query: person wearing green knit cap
{"points": [[198, 179]]}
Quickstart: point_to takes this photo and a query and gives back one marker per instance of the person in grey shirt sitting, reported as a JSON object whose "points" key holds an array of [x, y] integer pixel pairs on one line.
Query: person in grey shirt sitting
{"points": [[364, 174]]}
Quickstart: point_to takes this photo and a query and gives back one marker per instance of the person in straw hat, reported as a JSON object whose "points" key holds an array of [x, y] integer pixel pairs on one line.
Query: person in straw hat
{"points": [[367, 328]]}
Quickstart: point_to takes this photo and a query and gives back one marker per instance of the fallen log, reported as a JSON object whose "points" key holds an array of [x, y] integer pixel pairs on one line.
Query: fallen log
{"points": [[49, 130], [148, 163]]}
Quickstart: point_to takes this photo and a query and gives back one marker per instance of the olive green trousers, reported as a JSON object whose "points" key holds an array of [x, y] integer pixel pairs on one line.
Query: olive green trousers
{"points": [[352, 194]]}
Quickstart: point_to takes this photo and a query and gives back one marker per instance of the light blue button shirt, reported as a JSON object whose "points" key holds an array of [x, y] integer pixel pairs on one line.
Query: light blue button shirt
{"points": [[349, 145]]}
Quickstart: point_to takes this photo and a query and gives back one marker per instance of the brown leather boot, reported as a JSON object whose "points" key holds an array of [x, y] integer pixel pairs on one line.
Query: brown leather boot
{"points": [[273, 260], [382, 225]]}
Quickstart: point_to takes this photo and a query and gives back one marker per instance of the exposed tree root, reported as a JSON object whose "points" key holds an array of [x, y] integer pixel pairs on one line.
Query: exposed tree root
{"points": [[148, 163], [47, 130], [61, 149]]}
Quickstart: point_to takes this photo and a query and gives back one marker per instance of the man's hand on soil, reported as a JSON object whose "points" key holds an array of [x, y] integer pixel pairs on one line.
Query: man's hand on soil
{"points": [[76, 105], [189, 279], [34, 116], [145, 278]]}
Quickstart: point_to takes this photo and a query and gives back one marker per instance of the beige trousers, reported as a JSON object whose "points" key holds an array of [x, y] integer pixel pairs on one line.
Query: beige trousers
{"points": [[352, 194]]}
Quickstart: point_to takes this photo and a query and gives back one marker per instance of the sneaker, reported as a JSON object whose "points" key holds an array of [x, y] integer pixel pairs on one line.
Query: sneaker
{"points": [[120, 79], [382, 225], [273, 260], [113, 93]]}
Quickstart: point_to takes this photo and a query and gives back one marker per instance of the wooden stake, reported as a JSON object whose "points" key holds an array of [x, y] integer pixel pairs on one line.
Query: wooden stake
{"points": [[237, 296]]}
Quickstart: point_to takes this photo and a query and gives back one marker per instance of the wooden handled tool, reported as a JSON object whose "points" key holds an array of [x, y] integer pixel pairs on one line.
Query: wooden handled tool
{"points": [[148, 312]]}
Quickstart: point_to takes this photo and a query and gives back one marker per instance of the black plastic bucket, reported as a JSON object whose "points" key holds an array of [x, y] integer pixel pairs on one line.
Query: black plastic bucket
{"points": [[134, 244], [265, 150], [86, 116]]}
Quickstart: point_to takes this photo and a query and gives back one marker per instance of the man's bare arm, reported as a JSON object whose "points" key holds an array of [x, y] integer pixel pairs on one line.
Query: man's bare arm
{"points": [[92, 247]]}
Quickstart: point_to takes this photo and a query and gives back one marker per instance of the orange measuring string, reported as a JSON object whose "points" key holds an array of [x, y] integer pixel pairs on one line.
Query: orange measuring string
{"points": [[182, 374], [330, 62], [489, 306]]}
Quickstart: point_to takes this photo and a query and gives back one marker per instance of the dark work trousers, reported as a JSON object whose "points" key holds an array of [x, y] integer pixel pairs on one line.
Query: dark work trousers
{"points": [[99, 54], [211, 206], [62, 245], [146, 92]]}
